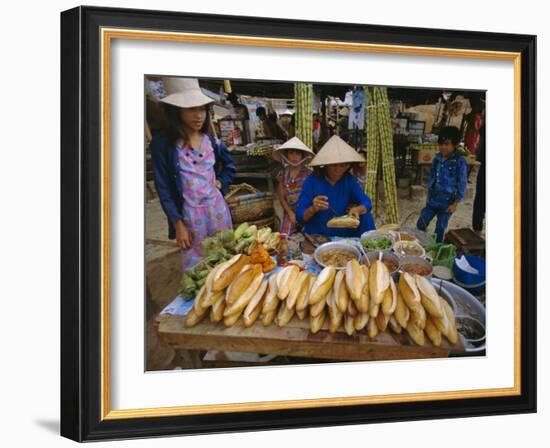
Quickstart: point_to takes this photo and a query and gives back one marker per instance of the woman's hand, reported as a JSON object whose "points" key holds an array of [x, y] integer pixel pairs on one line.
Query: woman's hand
{"points": [[218, 184], [452, 208], [320, 203], [357, 211], [183, 236]]}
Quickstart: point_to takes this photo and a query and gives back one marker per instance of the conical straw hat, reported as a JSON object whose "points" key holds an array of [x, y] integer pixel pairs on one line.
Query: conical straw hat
{"points": [[336, 150], [293, 143]]}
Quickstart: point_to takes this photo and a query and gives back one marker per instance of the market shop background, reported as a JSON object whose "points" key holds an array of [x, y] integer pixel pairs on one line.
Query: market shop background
{"points": [[417, 114], [33, 415]]}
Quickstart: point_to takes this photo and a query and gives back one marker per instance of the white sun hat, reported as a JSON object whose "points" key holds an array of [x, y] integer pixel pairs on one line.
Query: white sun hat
{"points": [[336, 150], [293, 143], [184, 92]]}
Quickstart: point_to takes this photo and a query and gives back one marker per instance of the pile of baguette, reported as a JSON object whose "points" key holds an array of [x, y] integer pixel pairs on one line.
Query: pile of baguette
{"points": [[358, 298]]}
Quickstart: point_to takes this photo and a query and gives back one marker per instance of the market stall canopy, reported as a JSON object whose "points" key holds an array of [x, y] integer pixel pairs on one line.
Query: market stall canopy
{"points": [[336, 150]]}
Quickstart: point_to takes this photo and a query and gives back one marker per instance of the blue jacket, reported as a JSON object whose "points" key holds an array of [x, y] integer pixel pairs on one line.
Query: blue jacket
{"points": [[340, 196], [167, 177], [448, 178]]}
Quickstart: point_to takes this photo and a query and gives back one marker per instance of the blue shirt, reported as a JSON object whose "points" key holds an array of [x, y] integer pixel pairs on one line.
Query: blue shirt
{"points": [[448, 178], [344, 193]]}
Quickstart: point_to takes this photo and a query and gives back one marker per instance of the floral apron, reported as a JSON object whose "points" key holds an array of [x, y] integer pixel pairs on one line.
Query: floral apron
{"points": [[293, 188], [204, 208]]}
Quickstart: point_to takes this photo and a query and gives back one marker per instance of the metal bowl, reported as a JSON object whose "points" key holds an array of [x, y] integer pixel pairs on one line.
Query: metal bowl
{"points": [[467, 305], [372, 256], [409, 259], [335, 245], [471, 329]]}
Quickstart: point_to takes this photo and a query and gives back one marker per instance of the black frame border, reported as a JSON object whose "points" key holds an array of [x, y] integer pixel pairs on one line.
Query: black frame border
{"points": [[81, 223]]}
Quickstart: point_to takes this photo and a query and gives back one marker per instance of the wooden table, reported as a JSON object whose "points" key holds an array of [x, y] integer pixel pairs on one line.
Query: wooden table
{"points": [[295, 339]]}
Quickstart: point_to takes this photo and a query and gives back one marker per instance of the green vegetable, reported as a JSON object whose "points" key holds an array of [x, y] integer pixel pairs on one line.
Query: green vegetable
{"points": [[250, 232], [239, 232], [188, 287], [381, 243], [210, 246]]}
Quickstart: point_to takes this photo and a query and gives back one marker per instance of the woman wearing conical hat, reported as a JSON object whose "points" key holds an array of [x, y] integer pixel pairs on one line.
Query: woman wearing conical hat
{"points": [[192, 169], [332, 191], [294, 155]]}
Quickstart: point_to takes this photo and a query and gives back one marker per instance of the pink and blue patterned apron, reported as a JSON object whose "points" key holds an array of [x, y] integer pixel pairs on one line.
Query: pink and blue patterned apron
{"points": [[204, 208]]}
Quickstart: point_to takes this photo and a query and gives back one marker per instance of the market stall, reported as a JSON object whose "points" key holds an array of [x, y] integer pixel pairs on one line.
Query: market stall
{"points": [[369, 298]]}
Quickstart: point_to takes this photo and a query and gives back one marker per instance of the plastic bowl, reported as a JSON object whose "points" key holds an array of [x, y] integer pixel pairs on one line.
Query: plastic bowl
{"points": [[467, 279]]}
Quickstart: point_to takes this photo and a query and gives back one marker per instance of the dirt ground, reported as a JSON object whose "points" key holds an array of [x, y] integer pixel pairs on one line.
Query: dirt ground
{"points": [[164, 269]]}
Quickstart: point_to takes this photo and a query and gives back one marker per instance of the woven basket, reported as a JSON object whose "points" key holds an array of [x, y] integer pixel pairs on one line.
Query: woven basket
{"points": [[264, 222], [247, 203]]}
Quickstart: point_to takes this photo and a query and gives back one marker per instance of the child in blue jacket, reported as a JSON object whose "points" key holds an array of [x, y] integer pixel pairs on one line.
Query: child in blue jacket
{"points": [[446, 183]]}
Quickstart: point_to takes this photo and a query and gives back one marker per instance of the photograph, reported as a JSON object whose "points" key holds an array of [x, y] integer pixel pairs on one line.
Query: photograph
{"points": [[272, 223], [307, 223]]}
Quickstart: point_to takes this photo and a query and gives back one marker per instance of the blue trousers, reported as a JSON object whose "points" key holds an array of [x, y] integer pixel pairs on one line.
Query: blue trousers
{"points": [[436, 207]]}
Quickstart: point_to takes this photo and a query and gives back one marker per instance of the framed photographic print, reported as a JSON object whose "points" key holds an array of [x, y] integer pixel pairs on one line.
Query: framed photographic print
{"points": [[274, 223]]}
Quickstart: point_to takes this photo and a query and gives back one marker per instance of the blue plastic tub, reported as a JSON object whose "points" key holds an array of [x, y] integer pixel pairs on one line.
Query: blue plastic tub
{"points": [[475, 289], [468, 279]]}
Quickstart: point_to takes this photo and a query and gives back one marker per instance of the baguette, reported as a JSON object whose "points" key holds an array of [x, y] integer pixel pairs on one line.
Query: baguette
{"points": [[340, 292], [389, 303], [256, 300], [379, 281], [416, 334], [252, 316], [303, 298], [363, 302], [316, 309], [442, 323], [372, 328], [316, 322], [247, 295], [382, 321], [335, 316], [285, 279], [199, 298], [241, 282], [451, 334], [394, 325], [271, 300], [361, 321], [354, 279], [269, 317], [428, 296], [409, 291], [217, 309], [302, 314], [232, 319], [284, 315], [352, 309], [432, 332], [227, 272], [349, 325], [300, 283], [193, 318], [374, 309], [322, 284], [418, 317], [402, 312]]}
